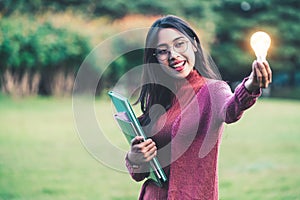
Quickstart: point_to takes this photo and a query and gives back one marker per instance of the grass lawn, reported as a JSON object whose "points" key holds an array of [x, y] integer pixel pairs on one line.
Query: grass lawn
{"points": [[259, 156], [42, 157]]}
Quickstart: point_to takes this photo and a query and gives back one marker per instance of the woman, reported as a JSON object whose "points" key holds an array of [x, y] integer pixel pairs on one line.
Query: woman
{"points": [[184, 109]]}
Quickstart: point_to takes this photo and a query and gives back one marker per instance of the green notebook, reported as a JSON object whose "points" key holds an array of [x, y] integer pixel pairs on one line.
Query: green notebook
{"points": [[131, 127]]}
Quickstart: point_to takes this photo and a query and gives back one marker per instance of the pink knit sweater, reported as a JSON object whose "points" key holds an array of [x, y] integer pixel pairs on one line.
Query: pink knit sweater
{"points": [[192, 147]]}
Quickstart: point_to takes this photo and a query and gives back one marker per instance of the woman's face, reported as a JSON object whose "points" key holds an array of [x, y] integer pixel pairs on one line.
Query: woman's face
{"points": [[175, 53]]}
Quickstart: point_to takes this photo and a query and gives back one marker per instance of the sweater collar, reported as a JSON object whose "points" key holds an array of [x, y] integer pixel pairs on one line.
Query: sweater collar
{"points": [[194, 80]]}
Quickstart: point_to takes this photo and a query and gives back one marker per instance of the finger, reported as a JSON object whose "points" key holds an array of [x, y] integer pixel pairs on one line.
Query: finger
{"points": [[150, 156], [258, 75], [150, 152], [265, 76], [148, 146], [253, 73], [145, 143], [143, 147], [152, 149], [136, 140], [269, 71]]}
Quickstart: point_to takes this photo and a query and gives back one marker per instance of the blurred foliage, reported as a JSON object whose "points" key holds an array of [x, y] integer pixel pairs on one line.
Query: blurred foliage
{"points": [[51, 36], [113, 9], [33, 46]]}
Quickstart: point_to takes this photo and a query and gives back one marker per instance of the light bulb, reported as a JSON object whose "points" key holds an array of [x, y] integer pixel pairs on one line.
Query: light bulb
{"points": [[260, 43]]}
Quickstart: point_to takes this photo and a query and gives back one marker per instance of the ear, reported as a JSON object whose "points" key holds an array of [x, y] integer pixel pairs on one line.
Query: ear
{"points": [[195, 45]]}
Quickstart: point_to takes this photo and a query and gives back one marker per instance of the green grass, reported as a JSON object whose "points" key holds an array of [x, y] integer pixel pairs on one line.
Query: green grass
{"points": [[259, 156], [42, 157]]}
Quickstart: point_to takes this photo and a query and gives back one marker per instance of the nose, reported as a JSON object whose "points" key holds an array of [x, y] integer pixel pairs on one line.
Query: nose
{"points": [[173, 54]]}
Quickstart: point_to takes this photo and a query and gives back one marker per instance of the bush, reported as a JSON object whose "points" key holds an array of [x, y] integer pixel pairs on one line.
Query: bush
{"points": [[34, 53]]}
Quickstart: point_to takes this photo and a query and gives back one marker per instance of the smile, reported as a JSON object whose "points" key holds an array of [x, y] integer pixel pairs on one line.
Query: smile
{"points": [[178, 66]]}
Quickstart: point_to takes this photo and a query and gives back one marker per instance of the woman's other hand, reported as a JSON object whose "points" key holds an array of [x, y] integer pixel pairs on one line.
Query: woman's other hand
{"points": [[141, 151], [260, 77]]}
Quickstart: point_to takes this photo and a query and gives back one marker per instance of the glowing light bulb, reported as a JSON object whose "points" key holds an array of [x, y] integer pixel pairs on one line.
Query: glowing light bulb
{"points": [[260, 43]]}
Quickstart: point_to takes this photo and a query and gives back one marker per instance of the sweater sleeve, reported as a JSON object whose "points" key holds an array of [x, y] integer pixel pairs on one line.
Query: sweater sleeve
{"points": [[138, 173], [232, 105], [241, 100]]}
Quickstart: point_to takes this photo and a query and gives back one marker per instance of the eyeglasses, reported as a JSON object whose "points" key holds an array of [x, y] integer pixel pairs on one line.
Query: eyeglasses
{"points": [[162, 52]]}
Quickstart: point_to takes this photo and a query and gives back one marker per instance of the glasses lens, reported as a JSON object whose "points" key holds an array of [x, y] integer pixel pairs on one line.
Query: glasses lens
{"points": [[162, 53], [180, 46]]}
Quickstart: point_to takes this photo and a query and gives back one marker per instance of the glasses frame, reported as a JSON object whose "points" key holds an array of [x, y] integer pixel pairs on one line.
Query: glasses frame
{"points": [[174, 49]]}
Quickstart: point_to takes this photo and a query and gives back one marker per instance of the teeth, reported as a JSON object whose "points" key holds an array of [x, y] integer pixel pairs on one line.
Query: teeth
{"points": [[179, 64]]}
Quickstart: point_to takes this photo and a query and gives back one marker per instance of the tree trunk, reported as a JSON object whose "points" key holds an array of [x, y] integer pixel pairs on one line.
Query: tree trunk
{"points": [[20, 83]]}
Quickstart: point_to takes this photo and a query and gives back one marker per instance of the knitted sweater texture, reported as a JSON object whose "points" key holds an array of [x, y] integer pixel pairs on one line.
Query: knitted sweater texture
{"points": [[189, 136]]}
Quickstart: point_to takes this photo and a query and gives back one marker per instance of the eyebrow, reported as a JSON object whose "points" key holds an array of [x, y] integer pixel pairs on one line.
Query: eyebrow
{"points": [[164, 44]]}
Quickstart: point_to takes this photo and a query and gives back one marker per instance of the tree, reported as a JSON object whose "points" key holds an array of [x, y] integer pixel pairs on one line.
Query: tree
{"points": [[37, 57], [239, 19]]}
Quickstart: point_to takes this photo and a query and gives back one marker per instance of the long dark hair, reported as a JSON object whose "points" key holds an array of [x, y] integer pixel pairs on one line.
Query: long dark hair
{"points": [[155, 80]]}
